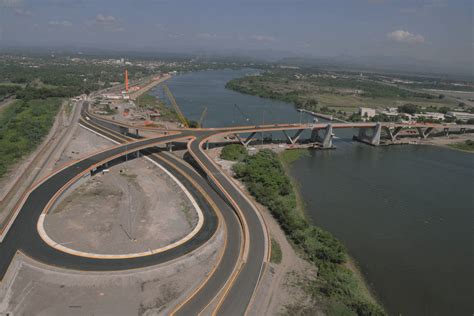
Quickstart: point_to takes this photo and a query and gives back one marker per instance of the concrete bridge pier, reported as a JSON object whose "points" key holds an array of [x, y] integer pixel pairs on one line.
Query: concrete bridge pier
{"points": [[325, 139], [425, 133], [123, 130], [393, 133], [374, 138], [247, 141], [295, 138]]}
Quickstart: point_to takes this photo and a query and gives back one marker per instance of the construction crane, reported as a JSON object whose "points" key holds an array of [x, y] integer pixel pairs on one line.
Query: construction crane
{"points": [[203, 115], [170, 96], [246, 117]]}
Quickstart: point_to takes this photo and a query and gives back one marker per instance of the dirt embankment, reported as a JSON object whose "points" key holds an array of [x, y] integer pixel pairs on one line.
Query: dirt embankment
{"points": [[281, 287]]}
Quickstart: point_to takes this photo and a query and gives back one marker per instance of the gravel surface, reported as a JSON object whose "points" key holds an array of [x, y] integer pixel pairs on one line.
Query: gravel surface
{"points": [[132, 208]]}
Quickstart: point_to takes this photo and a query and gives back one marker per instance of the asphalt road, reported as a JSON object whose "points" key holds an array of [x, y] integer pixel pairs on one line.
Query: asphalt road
{"points": [[240, 294], [242, 289], [230, 257], [23, 235]]}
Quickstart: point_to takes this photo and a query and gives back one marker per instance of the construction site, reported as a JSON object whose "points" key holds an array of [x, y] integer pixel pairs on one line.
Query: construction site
{"points": [[135, 104]]}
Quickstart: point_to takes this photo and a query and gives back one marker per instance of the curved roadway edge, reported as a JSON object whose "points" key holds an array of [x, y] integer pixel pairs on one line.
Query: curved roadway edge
{"points": [[240, 293], [240, 287], [23, 235], [44, 235], [226, 268]]}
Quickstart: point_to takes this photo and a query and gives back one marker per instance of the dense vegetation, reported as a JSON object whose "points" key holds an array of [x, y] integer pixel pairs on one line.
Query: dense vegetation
{"points": [[234, 152], [337, 286], [23, 126], [301, 97], [336, 94], [74, 77], [8, 90]]}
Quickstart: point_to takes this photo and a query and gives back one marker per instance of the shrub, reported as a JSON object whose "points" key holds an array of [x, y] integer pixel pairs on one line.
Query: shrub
{"points": [[235, 152], [267, 181]]}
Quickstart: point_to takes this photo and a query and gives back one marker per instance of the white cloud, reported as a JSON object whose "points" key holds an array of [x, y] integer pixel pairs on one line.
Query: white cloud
{"points": [[402, 36], [60, 24], [205, 36], [105, 19], [263, 38], [175, 35], [106, 23]]}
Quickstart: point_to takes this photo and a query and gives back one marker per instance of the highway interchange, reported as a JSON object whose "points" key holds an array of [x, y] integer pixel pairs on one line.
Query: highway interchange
{"points": [[230, 287], [233, 281]]}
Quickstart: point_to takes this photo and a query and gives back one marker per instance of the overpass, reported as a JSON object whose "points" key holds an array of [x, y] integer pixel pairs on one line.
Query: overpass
{"points": [[322, 133], [232, 285]]}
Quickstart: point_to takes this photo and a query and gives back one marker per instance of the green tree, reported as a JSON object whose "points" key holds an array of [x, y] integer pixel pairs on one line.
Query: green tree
{"points": [[408, 108]]}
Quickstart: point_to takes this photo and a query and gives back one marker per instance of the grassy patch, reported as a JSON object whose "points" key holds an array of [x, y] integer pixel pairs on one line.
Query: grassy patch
{"points": [[339, 95], [266, 180], [23, 125], [234, 152], [287, 157], [151, 102], [276, 254], [468, 145]]}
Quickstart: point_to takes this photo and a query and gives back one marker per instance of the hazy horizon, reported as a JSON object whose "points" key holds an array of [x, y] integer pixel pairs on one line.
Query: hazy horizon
{"points": [[435, 31]]}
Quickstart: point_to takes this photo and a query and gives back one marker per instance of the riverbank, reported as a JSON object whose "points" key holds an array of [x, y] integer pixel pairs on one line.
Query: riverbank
{"points": [[336, 289], [288, 157], [459, 142], [148, 86]]}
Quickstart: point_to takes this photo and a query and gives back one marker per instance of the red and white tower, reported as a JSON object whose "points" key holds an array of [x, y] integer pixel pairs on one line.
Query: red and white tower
{"points": [[126, 80]]}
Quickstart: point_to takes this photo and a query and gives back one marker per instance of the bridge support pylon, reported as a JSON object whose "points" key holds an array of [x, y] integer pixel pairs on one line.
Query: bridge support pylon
{"points": [[295, 138], [247, 141], [393, 133], [325, 139], [425, 133], [373, 139]]}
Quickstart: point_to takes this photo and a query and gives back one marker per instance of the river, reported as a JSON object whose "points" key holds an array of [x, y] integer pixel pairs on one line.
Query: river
{"points": [[405, 213]]}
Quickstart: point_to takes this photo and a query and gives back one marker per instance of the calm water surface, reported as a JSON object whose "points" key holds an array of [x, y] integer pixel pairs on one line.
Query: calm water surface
{"points": [[405, 213]]}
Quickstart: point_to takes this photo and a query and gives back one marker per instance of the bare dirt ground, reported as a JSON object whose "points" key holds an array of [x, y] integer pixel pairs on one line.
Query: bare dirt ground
{"points": [[133, 208], [280, 286], [82, 142], [446, 140], [31, 288]]}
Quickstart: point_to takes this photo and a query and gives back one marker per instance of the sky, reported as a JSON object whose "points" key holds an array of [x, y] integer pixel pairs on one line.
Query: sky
{"points": [[434, 30]]}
